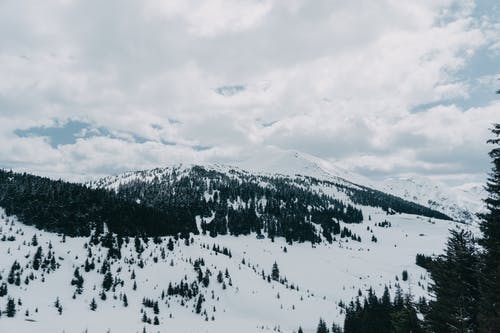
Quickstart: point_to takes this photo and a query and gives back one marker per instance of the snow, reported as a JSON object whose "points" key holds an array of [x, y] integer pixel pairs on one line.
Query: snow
{"points": [[461, 203], [325, 274]]}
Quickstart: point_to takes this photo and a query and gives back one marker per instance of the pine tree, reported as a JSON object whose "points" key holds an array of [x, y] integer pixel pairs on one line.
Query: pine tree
{"points": [[322, 328], [170, 244], [107, 281], [490, 227], [34, 241], [199, 303], [37, 258], [93, 305], [455, 286], [156, 309], [220, 277], [77, 281], [11, 308], [125, 300], [3, 289], [275, 273]]}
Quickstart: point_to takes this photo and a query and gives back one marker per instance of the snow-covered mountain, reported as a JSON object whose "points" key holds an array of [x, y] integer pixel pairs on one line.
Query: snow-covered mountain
{"points": [[462, 203], [192, 248]]}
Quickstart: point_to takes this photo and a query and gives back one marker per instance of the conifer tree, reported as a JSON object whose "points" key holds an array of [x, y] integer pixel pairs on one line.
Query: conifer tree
{"points": [[156, 309], [455, 286], [93, 305], [10, 310], [77, 281], [3, 289], [37, 258], [170, 244], [199, 303], [322, 328], [107, 281], [275, 272], [490, 227], [34, 241]]}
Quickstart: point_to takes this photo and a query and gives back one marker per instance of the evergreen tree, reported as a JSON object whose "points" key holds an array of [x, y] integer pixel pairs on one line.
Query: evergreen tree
{"points": [[37, 258], [34, 241], [107, 282], [93, 305], [275, 272], [10, 310], [3, 289], [170, 244], [322, 328], [490, 226], [199, 304], [455, 286], [156, 309], [220, 277], [77, 281]]}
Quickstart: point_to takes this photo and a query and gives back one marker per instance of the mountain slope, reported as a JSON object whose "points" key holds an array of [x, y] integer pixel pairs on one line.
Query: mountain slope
{"points": [[229, 200], [321, 277], [462, 203], [331, 239]]}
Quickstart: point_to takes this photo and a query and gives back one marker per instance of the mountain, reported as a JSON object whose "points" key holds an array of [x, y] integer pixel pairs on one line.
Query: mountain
{"points": [[190, 248], [229, 200], [462, 203]]}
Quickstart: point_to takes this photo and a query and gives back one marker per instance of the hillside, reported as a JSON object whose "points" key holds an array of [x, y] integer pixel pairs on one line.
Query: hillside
{"points": [[192, 248], [461, 203], [312, 280]]}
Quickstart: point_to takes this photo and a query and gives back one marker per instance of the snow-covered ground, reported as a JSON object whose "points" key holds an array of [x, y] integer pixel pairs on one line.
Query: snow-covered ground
{"points": [[325, 275]]}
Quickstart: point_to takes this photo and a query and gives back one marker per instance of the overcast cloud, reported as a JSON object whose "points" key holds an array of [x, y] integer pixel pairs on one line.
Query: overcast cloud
{"points": [[380, 87]]}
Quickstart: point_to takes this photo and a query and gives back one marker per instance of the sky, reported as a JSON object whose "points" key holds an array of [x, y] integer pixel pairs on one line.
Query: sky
{"points": [[382, 88]]}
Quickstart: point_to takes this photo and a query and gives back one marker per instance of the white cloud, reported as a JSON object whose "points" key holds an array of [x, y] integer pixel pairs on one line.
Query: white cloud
{"points": [[336, 79], [214, 17]]}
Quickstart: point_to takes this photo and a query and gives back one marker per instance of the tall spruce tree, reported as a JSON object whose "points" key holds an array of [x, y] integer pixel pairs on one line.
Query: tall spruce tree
{"points": [[455, 286], [490, 226]]}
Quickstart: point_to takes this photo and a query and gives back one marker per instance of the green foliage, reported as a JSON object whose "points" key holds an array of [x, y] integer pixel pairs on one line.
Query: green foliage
{"points": [[275, 272], [380, 315], [490, 226], [10, 309], [322, 328], [75, 210], [455, 275]]}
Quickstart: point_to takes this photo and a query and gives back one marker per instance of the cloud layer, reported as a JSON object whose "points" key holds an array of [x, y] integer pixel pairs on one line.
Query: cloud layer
{"points": [[381, 88]]}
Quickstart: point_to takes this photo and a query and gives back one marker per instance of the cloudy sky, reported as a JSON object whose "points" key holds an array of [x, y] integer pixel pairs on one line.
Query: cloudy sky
{"points": [[382, 88]]}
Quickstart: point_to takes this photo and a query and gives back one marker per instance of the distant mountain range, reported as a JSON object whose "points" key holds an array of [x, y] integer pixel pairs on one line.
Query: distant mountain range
{"points": [[462, 203]]}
